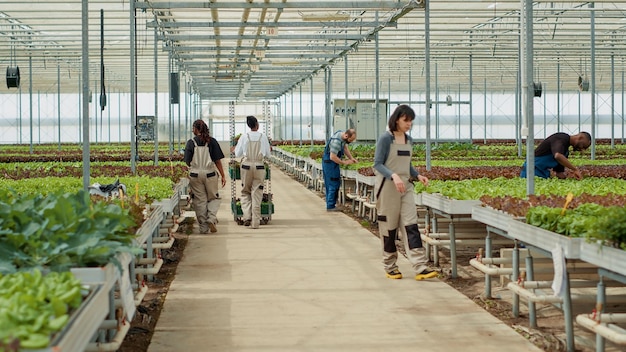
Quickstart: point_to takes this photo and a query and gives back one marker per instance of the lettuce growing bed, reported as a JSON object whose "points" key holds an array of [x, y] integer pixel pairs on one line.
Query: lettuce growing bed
{"points": [[544, 239]]}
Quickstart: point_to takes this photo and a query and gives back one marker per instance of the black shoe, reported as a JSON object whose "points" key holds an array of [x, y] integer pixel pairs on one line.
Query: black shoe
{"points": [[247, 223]]}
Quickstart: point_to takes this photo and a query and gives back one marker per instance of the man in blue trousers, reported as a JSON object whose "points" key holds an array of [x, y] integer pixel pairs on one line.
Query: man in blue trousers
{"points": [[334, 151], [552, 153]]}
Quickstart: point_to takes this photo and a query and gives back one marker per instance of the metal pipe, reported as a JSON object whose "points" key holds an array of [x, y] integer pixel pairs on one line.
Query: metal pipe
{"points": [[549, 298], [514, 276], [155, 123], [558, 95], [450, 243], [133, 89], [612, 101], [593, 80], [568, 311], [527, 94], [606, 331], [614, 318], [548, 284], [377, 80], [489, 270], [427, 78], [600, 304], [530, 275], [501, 260], [345, 93], [471, 84], [497, 271], [85, 91], [488, 248], [444, 235], [109, 324], [113, 345]]}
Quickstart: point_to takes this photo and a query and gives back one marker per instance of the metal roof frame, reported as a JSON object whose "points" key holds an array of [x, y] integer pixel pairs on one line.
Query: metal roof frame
{"points": [[252, 50]]}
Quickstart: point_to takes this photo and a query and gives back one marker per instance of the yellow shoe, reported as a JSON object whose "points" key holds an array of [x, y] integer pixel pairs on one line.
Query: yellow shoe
{"points": [[394, 274], [426, 274]]}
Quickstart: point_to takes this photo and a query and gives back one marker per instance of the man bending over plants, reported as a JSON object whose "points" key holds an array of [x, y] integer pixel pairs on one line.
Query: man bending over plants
{"points": [[552, 153]]}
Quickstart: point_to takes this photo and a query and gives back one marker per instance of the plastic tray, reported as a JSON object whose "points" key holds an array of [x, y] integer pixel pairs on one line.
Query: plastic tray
{"points": [[613, 259], [544, 239], [492, 217], [448, 205]]}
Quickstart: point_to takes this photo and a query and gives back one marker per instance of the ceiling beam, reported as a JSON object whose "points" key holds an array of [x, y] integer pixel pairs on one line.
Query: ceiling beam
{"points": [[340, 5]]}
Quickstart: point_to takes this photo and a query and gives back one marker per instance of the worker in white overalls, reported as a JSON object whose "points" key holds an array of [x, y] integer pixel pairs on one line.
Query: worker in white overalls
{"points": [[253, 146], [395, 204], [204, 157]]}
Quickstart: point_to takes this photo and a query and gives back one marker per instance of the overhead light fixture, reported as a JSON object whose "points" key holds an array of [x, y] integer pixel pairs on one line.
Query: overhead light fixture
{"points": [[286, 63], [223, 78], [13, 77], [325, 17], [583, 83], [537, 89]]}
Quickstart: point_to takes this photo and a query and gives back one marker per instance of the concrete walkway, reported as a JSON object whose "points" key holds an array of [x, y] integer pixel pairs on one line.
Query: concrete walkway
{"points": [[312, 281]]}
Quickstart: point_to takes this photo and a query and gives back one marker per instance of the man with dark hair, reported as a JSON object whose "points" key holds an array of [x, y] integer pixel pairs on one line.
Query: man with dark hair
{"points": [[254, 147], [336, 147], [552, 153]]}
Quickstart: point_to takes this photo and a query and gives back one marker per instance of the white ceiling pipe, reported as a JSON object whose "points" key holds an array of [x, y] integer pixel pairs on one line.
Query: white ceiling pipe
{"points": [[602, 330]]}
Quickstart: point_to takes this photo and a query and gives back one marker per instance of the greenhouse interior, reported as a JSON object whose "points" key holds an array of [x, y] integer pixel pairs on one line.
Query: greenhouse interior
{"points": [[97, 133]]}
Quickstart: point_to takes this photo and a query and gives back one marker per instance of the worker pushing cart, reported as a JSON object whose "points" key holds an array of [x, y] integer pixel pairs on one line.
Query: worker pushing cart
{"points": [[253, 147]]}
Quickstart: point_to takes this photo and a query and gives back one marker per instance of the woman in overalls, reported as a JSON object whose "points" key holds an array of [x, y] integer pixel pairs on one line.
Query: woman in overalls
{"points": [[395, 204], [204, 157], [254, 146]]}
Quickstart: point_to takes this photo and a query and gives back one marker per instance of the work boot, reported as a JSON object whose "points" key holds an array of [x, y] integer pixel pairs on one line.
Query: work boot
{"points": [[394, 274], [212, 227], [426, 274]]}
